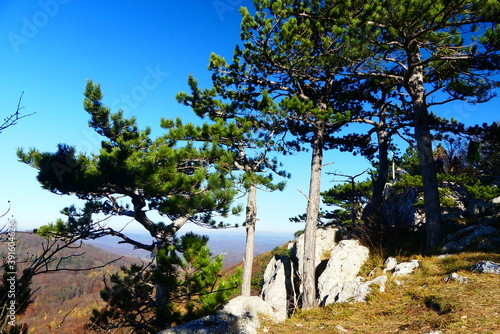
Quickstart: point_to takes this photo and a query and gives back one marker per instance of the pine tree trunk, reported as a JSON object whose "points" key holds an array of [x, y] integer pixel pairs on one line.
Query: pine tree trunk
{"points": [[373, 213], [309, 265], [162, 298], [163, 294], [383, 169], [251, 218], [423, 137], [432, 207]]}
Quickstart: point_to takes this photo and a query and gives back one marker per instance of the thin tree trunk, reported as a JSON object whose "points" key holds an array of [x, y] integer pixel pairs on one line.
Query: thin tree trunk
{"points": [[427, 166], [251, 219], [309, 265]]}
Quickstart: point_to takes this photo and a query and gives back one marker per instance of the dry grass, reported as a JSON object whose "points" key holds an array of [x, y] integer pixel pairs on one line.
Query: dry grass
{"points": [[422, 304]]}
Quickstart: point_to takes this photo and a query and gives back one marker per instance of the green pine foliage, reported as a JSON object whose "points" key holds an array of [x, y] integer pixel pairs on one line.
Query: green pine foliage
{"points": [[184, 175], [163, 173], [342, 197], [190, 273]]}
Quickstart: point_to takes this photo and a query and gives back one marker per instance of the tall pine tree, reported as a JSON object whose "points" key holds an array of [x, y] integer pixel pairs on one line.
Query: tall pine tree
{"points": [[439, 51], [252, 141], [290, 68]]}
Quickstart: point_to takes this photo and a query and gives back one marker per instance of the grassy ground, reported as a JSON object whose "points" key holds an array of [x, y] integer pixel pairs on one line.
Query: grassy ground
{"points": [[424, 303]]}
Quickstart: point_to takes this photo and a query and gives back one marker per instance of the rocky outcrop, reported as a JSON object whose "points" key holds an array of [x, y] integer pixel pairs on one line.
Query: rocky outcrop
{"points": [[278, 289], [496, 200], [400, 210], [325, 242], [218, 324], [481, 237], [466, 211], [405, 268], [355, 290], [390, 264], [343, 266], [239, 316], [254, 305], [337, 269], [486, 267]]}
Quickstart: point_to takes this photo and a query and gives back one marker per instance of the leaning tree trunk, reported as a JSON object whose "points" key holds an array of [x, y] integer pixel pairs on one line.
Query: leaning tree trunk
{"points": [[423, 137], [309, 261], [251, 219]]}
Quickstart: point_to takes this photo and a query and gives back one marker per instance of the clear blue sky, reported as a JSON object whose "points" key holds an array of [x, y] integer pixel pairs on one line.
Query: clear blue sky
{"points": [[141, 52]]}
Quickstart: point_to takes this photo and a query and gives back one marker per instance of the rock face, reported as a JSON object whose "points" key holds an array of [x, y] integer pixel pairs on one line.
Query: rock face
{"points": [[400, 210], [325, 242], [278, 289], [355, 290], [337, 268], [480, 236], [343, 266]]}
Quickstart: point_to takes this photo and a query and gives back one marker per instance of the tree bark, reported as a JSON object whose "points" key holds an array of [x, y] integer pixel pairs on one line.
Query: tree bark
{"points": [[432, 209], [309, 265], [163, 294], [251, 219], [373, 213], [162, 297]]}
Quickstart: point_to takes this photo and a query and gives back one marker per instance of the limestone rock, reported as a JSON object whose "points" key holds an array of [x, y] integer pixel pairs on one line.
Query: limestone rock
{"points": [[496, 200], [325, 242], [486, 267], [472, 237], [354, 291], [341, 329], [278, 289], [400, 209], [455, 277], [240, 305], [343, 266], [405, 268], [390, 264], [218, 324]]}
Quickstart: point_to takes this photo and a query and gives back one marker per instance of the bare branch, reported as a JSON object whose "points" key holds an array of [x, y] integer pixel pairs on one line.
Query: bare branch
{"points": [[300, 191], [13, 118]]}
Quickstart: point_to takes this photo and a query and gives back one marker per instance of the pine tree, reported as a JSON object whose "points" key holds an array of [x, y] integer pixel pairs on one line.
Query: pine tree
{"points": [[133, 174], [428, 47], [251, 139], [190, 273], [289, 68]]}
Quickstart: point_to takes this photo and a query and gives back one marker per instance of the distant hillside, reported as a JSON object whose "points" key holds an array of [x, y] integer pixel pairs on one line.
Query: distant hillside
{"points": [[63, 300], [229, 243]]}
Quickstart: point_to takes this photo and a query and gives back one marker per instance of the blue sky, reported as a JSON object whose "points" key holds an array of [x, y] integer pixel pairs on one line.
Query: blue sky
{"points": [[141, 52]]}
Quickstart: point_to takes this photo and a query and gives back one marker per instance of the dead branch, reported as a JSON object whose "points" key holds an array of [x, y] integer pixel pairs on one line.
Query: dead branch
{"points": [[13, 118]]}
